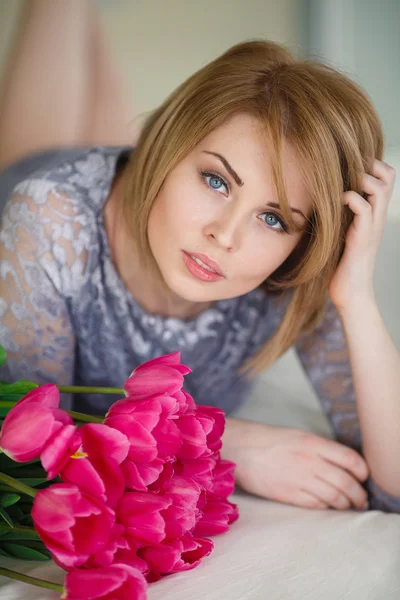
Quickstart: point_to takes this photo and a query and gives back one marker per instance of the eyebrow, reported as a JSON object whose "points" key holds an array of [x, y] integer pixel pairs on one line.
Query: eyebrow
{"points": [[240, 182], [227, 166]]}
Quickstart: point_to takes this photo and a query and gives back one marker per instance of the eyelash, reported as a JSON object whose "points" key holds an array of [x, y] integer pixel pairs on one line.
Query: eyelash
{"points": [[205, 174]]}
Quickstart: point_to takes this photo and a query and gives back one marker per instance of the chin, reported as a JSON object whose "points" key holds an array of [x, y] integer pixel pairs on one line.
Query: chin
{"points": [[192, 291]]}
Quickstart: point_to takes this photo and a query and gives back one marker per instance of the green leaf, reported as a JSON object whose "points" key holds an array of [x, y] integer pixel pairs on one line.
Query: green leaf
{"points": [[8, 499], [4, 515], [17, 533], [19, 551], [3, 356], [15, 391]]}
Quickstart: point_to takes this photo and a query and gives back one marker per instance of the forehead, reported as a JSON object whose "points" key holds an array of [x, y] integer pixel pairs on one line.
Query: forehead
{"points": [[242, 141]]}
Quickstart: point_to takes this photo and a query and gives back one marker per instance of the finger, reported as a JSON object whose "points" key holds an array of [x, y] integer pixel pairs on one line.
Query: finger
{"points": [[342, 456], [307, 499], [328, 493], [378, 195], [376, 189], [362, 221], [382, 170], [342, 484]]}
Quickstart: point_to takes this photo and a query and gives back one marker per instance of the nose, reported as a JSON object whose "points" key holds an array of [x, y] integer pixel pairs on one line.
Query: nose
{"points": [[225, 230]]}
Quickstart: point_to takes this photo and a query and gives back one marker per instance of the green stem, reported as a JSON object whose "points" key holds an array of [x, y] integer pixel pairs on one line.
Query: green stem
{"points": [[81, 389], [75, 415], [17, 485], [32, 580], [84, 418]]}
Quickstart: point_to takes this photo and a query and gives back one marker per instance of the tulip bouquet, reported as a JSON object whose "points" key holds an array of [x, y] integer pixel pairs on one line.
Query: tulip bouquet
{"points": [[118, 502]]}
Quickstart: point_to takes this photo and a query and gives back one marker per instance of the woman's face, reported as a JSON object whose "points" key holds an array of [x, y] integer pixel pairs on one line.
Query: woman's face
{"points": [[215, 230]]}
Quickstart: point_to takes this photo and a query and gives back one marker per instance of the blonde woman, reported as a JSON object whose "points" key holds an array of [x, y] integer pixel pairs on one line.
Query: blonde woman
{"points": [[246, 220]]}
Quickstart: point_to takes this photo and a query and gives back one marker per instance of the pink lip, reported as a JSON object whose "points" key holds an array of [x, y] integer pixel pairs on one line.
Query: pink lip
{"points": [[208, 261], [198, 271]]}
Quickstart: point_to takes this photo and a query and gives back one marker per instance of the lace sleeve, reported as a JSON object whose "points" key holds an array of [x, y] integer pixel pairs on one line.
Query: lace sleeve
{"points": [[39, 255], [324, 357]]}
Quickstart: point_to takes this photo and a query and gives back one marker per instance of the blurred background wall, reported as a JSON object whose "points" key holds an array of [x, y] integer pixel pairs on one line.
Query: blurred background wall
{"points": [[158, 43]]}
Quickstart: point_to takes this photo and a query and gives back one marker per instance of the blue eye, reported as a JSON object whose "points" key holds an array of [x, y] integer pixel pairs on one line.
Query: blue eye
{"points": [[271, 219], [214, 181]]}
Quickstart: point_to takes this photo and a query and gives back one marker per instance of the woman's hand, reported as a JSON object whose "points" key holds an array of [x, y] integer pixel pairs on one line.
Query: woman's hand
{"points": [[294, 466], [353, 279]]}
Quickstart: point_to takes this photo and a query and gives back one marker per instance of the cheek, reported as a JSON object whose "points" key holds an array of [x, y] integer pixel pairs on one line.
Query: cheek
{"points": [[263, 253], [177, 212]]}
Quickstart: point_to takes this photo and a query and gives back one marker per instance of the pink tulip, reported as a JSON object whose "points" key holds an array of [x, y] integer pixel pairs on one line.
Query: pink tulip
{"points": [[181, 516], [218, 514], [166, 474], [47, 395], [107, 555], [57, 452], [142, 445], [140, 513], [32, 423], [194, 438], [99, 472], [72, 525], [181, 555], [151, 434], [96, 476], [162, 375], [200, 470], [185, 401], [224, 481], [139, 476], [213, 422], [100, 440], [116, 582]]}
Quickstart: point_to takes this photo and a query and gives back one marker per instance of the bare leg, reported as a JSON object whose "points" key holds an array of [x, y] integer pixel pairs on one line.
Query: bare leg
{"points": [[110, 119], [60, 88]]}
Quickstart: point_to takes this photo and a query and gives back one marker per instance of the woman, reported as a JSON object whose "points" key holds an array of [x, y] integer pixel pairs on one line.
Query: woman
{"points": [[254, 194]]}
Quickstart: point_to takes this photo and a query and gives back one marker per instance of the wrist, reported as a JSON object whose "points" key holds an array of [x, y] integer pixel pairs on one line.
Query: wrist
{"points": [[357, 308]]}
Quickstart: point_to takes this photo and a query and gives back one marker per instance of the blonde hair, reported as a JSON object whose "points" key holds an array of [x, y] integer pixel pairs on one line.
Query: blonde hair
{"points": [[329, 121]]}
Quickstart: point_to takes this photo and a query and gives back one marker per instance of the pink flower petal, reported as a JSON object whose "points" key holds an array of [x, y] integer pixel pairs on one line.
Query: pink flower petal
{"points": [[58, 450], [25, 431], [80, 471], [172, 360], [224, 481], [46, 395], [139, 476], [168, 438], [116, 582], [146, 412], [72, 525], [153, 380], [143, 446], [194, 439], [101, 440]]}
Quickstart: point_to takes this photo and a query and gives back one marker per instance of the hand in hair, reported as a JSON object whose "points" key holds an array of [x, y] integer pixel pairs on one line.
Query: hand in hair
{"points": [[353, 280], [294, 466]]}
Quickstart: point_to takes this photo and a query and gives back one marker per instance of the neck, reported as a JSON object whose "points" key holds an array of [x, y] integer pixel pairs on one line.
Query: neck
{"points": [[143, 283]]}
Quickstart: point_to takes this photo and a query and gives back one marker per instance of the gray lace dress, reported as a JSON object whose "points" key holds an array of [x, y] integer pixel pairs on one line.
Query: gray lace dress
{"points": [[66, 316]]}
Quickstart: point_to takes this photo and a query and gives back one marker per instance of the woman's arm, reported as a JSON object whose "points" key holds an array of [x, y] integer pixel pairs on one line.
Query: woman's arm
{"points": [[375, 362], [375, 365]]}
